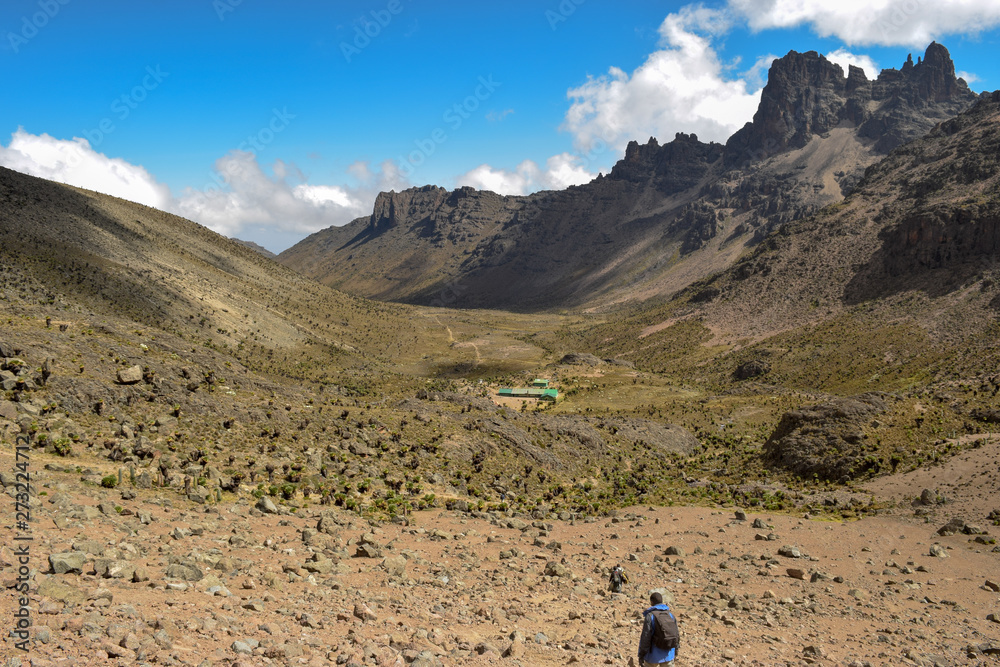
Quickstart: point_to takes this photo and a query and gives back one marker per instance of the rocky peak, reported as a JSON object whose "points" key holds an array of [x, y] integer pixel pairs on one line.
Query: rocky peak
{"points": [[391, 206], [807, 95], [673, 166]]}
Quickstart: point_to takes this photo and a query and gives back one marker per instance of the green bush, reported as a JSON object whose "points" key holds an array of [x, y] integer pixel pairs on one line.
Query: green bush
{"points": [[110, 481], [62, 446]]}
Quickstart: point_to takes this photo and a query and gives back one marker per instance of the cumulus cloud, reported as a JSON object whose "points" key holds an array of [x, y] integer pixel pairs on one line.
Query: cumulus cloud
{"points": [[242, 195], [844, 58], [237, 195], [682, 87], [74, 162], [884, 22], [561, 171]]}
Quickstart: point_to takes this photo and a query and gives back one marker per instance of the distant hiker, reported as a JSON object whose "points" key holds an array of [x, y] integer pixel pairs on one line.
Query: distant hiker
{"points": [[660, 638], [617, 579]]}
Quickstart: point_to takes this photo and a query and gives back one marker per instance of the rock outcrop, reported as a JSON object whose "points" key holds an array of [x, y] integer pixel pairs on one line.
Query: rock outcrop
{"points": [[827, 440]]}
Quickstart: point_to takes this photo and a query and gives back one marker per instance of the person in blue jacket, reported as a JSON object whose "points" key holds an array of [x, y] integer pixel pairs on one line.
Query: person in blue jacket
{"points": [[649, 653]]}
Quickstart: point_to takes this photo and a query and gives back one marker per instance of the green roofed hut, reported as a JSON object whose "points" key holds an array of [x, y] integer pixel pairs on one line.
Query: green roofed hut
{"points": [[539, 382], [530, 392]]}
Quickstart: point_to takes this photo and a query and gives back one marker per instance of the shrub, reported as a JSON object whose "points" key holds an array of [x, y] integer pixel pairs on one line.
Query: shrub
{"points": [[110, 481], [62, 447]]}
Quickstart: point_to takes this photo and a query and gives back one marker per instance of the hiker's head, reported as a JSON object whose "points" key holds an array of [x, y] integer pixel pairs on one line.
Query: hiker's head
{"points": [[655, 598]]}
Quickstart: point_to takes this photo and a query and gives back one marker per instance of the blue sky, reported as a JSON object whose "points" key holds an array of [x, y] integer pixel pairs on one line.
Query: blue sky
{"points": [[269, 121]]}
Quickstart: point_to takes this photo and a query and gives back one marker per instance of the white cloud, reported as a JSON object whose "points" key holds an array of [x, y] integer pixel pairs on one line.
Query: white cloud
{"points": [[843, 57], [756, 76], [682, 87], [243, 195], [76, 163], [239, 195], [887, 22], [560, 172], [968, 76]]}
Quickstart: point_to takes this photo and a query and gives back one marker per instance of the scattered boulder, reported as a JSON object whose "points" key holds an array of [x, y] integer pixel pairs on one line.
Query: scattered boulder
{"points": [[266, 505], [395, 566], [362, 611], [70, 562], [789, 551], [130, 375], [556, 569]]}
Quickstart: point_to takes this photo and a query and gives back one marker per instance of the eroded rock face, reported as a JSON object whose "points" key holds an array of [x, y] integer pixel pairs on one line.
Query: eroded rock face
{"points": [[827, 439], [807, 95]]}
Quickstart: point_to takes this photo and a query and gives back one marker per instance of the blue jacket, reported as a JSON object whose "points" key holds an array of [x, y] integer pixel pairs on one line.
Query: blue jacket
{"points": [[647, 649]]}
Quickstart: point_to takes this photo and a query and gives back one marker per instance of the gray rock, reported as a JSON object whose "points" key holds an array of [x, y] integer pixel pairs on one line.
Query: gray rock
{"points": [[70, 562], [242, 648], [789, 551], [395, 566], [266, 505], [198, 494], [953, 527], [938, 551], [425, 659], [187, 572], [368, 550], [131, 375], [8, 410], [556, 569], [52, 588]]}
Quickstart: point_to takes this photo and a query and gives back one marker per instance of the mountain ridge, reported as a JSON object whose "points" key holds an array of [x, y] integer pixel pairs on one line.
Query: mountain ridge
{"points": [[665, 215]]}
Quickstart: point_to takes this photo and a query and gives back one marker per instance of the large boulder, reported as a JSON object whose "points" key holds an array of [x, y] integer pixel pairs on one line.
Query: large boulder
{"points": [[827, 440], [69, 562], [130, 375]]}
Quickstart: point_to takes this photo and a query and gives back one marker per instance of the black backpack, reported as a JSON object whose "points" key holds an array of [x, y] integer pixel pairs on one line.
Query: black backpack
{"points": [[665, 633]]}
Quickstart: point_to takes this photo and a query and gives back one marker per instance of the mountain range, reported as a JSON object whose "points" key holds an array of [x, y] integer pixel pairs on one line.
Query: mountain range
{"points": [[664, 217]]}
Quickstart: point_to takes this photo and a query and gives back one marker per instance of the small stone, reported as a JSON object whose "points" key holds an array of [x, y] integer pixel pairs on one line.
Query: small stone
{"points": [[242, 648], [789, 551], [362, 611]]}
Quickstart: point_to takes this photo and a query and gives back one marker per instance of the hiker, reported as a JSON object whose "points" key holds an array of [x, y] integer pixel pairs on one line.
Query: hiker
{"points": [[660, 639], [618, 579]]}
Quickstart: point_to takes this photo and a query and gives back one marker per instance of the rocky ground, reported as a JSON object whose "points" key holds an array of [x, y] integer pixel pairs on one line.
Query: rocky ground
{"points": [[146, 576]]}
